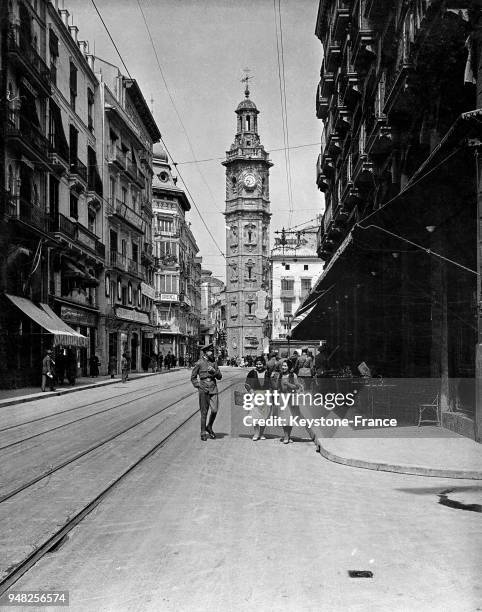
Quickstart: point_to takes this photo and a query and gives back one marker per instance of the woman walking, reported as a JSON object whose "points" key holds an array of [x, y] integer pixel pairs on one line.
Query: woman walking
{"points": [[288, 383], [258, 381]]}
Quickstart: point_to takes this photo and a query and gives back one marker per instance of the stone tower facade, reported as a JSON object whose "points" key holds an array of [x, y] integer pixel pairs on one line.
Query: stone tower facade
{"points": [[247, 235]]}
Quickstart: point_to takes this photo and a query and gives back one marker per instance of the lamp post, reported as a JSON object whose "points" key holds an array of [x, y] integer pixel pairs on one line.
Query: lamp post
{"points": [[288, 318]]}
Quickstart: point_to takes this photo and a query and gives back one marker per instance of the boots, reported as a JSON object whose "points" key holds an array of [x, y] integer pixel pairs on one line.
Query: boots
{"points": [[204, 414], [209, 427]]}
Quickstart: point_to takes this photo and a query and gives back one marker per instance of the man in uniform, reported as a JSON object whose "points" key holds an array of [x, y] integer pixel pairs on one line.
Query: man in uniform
{"points": [[203, 377]]}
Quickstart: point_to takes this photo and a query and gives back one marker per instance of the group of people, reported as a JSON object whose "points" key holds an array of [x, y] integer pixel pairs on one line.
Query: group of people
{"points": [[57, 368], [299, 372]]}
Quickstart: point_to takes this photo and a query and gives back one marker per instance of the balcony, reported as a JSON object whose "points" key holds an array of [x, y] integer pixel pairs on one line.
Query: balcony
{"points": [[332, 50], [134, 172], [322, 104], [132, 267], [28, 138], [363, 46], [287, 293], [350, 93], [78, 170], [377, 11], [63, 225], [118, 260], [363, 173], [117, 157], [30, 213], [327, 82], [341, 19], [122, 211], [321, 178], [343, 119], [27, 59]]}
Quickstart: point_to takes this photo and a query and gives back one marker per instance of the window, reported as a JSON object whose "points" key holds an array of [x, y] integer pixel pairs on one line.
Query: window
{"points": [[287, 284], [73, 145], [169, 283], [112, 189], [74, 206], [107, 285], [124, 296], [287, 266], [129, 295], [73, 84], [305, 285], [167, 248], [139, 295], [287, 307], [90, 109], [135, 252], [124, 247], [305, 267], [92, 220], [124, 195], [166, 225], [250, 308], [119, 289], [134, 201], [54, 54], [248, 123]]}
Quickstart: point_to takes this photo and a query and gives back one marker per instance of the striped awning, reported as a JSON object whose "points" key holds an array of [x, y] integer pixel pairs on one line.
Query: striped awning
{"points": [[62, 333]]}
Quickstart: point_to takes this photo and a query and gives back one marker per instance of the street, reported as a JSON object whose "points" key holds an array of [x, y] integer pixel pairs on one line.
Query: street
{"points": [[229, 524]]}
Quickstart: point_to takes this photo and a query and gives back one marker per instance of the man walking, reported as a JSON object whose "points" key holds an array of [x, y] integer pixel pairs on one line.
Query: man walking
{"points": [[204, 376], [48, 367]]}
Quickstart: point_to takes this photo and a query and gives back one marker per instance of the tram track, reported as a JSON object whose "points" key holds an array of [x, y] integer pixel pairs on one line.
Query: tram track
{"points": [[88, 416], [106, 399], [14, 572], [77, 456]]}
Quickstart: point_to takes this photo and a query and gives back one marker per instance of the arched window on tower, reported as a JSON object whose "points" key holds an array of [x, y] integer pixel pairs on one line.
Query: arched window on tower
{"points": [[248, 123]]}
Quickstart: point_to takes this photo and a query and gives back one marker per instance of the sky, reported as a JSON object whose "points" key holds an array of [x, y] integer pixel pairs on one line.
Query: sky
{"points": [[203, 47]]}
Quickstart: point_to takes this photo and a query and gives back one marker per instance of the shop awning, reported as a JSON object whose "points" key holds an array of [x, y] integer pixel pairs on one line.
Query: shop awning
{"points": [[62, 333], [82, 340]]}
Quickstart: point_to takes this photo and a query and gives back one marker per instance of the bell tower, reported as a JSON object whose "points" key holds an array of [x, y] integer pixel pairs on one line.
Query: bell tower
{"points": [[247, 233]]}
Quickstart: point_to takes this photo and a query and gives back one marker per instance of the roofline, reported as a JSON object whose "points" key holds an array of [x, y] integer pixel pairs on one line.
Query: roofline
{"points": [[143, 109]]}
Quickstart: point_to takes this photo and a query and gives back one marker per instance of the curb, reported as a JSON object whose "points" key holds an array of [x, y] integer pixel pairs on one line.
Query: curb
{"points": [[377, 466], [49, 394]]}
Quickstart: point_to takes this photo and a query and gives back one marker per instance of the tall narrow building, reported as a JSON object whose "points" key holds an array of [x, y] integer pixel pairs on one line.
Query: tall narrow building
{"points": [[247, 234]]}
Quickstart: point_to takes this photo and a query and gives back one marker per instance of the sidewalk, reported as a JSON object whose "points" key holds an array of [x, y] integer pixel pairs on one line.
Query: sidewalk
{"points": [[8, 397], [423, 451]]}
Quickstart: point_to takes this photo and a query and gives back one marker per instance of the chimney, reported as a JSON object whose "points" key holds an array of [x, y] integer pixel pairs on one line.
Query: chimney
{"points": [[83, 46], [90, 60], [64, 15], [74, 31]]}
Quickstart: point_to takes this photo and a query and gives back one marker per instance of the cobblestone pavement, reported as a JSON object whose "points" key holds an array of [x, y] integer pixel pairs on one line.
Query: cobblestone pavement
{"points": [[230, 524]]}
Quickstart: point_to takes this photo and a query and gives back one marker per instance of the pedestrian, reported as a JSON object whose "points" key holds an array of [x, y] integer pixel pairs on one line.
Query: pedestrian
{"points": [[60, 367], [181, 361], [160, 359], [304, 369], [167, 360], [153, 363], [48, 371], [287, 384], [112, 366], [203, 377], [94, 365], [258, 380], [274, 366], [124, 367], [293, 361]]}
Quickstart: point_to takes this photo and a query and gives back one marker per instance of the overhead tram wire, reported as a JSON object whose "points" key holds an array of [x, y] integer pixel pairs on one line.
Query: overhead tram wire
{"points": [[287, 152], [282, 106], [111, 39], [163, 142], [178, 114], [199, 161]]}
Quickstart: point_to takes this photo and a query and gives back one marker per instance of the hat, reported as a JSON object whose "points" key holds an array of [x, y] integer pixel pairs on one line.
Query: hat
{"points": [[207, 347]]}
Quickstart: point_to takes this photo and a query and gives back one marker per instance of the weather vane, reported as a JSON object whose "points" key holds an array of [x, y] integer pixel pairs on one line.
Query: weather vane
{"points": [[245, 79]]}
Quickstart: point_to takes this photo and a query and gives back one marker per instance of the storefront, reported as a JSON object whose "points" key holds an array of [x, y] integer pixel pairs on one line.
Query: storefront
{"points": [[125, 333], [85, 321]]}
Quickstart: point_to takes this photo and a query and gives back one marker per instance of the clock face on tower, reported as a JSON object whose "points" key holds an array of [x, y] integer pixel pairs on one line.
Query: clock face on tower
{"points": [[249, 181]]}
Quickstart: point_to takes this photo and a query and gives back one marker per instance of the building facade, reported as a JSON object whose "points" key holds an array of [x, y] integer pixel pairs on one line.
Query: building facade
{"points": [[247, 216], [295, 268], [213, 312], [397, 166], [177, 279], [127, 295]]}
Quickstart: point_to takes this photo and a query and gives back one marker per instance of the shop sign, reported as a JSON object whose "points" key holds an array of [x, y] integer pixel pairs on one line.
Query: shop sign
{"points": [[78, 317], [131, 315], [168, 297], [148, 291]]}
